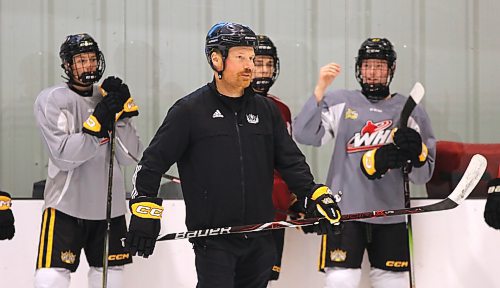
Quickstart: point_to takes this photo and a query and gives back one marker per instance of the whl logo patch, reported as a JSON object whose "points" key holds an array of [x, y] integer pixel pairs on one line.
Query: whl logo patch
{"points": [[371, 135]]}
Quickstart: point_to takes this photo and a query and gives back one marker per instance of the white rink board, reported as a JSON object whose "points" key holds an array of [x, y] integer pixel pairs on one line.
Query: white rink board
{"points": [[453, 248]]}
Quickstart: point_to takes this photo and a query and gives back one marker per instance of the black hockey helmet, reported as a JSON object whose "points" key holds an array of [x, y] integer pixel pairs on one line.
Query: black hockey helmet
{"points": [[225, 35], [74, 45], [376, 48], [266, 47]]}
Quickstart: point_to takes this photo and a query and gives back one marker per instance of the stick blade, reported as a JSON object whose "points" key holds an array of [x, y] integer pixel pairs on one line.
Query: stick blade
{"points": [[417, 92], [471, 177]]}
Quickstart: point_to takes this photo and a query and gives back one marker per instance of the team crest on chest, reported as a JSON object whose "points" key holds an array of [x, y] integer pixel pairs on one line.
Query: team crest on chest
{"points": [[370, 136], [252, 119], [351, 114]]}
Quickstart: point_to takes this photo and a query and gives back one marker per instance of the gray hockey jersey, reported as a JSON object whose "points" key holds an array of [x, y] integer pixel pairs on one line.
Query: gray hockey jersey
{"points": [[77, 181], [358, 125]]}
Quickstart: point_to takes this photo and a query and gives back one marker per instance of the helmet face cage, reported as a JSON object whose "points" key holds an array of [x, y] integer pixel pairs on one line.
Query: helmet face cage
{"points": [[265, 47], [376, 48], [225, 35], [77, 44]]}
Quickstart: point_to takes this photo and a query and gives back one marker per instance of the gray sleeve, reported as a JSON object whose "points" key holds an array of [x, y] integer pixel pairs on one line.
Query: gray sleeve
{"points": [[307, 125], [128, 142], [67, 149], [421, 122]]}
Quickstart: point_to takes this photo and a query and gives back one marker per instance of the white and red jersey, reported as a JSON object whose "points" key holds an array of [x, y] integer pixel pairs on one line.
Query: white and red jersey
{"points": [[358, 125]]}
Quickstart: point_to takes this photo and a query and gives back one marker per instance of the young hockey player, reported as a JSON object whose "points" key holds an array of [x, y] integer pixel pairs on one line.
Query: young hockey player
{"points": [[267, 69], [362, 124], [74, 119]]}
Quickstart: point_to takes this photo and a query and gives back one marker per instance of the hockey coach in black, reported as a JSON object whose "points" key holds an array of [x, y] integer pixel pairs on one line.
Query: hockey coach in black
{"points": [[226, 141]]}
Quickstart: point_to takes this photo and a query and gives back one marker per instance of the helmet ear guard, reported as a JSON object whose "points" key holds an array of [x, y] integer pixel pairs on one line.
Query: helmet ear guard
{"points": [[77, 44], [224, 35], [266, 47], [376, 48]]}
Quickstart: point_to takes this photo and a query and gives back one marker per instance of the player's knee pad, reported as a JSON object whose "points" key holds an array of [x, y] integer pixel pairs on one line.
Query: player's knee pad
{"points": [[52, 278], [115, 277], [389, 279], [338, 277]]}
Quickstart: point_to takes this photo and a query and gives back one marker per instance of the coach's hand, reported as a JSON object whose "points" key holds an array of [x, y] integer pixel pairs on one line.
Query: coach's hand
{"points": [[323, 204]]}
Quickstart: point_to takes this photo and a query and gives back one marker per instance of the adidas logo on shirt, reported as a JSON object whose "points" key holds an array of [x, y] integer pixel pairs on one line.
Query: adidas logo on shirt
{"points": [[217, 114]]}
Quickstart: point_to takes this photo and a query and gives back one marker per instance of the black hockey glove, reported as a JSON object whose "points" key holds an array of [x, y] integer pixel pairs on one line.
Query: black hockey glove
{"points": [[492, 208], [144, 225], [410, 144], [7, 228], [120, 89], [101, 120], [375, 163], [298, 211], [111, 84], [322, 204]]}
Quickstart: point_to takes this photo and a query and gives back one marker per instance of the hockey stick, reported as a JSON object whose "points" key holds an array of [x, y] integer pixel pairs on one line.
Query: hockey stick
{"points": [[166, 176], [105, 254], [471, 177], [416, 95]]}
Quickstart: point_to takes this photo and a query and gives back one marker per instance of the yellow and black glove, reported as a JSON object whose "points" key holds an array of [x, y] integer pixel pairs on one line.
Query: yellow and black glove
{"points": [[409, 142], [115, 85], [144, 226], [130, 109], [7, 228], [322, 204], [375, 163]]}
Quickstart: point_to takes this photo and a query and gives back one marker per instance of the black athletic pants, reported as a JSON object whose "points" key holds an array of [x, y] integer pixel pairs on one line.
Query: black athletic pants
{"points": [[242, 261]]}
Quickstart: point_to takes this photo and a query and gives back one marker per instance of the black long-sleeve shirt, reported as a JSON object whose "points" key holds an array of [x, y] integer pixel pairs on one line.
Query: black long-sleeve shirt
{"points": [[225, 158]]}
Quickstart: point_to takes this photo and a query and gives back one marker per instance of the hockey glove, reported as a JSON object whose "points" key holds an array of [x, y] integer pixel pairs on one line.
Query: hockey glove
{"points": [[111, 84], [410, 143], [129, 110], [492, 208], [120, 89], [144, 225], [298, 210], [323, 204], [375, 163], [101, 120], [7, 228]]}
